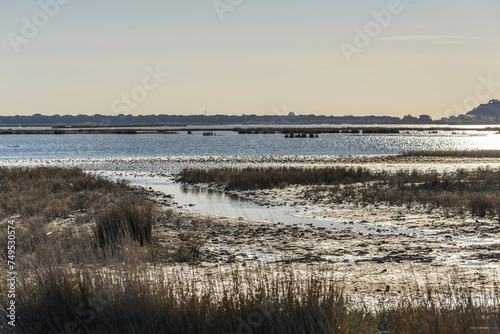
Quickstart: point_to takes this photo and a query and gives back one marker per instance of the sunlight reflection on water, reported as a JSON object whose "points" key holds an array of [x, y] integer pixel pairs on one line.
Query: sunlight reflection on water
{"points": [[231, 143]]}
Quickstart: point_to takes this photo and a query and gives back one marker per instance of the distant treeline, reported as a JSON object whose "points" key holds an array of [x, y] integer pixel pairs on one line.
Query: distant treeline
{"points": [[173, 120]]}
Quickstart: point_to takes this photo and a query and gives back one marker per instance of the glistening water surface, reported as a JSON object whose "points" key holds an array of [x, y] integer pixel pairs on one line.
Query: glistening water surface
{"points": [[14, 147], [225, 204]]}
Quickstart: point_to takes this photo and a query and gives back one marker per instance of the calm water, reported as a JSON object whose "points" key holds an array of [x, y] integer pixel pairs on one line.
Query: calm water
{"points": [[231, 143], [225, 204]]}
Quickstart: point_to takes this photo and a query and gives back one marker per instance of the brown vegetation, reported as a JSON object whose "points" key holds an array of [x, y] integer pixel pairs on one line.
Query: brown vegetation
{"points": [[124, 221], [47, 193], [459, 153], [260, 178], [474, 191], [114, 278]]}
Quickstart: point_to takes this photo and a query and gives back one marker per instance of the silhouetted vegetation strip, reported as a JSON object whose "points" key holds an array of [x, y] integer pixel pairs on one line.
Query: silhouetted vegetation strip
{"points": [[368, 131], [460, 154], [260, 178], [85, 131], [298, 132], [256, 131]]}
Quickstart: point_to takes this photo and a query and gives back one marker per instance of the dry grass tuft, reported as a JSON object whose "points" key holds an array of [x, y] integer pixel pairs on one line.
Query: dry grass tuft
{"points": [[124, 221]]}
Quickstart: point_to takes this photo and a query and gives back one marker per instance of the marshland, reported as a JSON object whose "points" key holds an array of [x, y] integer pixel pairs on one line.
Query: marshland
{"points": [[231, 166], [101, 256]]}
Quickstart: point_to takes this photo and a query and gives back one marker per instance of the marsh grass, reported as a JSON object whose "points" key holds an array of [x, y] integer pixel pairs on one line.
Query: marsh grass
{"points": [[264, 178], [457, 153], [475, 191], [69, 283], [133, 298], [54, 192], [124, 221]]}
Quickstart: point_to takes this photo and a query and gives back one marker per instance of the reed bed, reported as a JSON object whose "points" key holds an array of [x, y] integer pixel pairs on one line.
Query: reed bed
{"points": [[131, 296], [47, 193], [457, 154], [262, 178], [474, 191]]}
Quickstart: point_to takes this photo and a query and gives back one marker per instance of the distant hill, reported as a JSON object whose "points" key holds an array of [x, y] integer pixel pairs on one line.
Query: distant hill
{"points": [[489, 110]]}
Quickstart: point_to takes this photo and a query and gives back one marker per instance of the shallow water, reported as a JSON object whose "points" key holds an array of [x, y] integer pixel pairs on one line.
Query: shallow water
{"points": [[15, 147], [226, 204], [206, 200]]}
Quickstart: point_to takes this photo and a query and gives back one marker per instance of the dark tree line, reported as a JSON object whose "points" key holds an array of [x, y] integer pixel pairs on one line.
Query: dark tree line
{"points": [[130, 120]]}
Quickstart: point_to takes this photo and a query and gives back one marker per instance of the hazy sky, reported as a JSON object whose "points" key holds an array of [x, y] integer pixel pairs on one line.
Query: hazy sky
{"points": [[248, 56]]}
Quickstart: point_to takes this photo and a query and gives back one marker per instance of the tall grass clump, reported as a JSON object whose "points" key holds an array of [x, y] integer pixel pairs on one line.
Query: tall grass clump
{"points": [[123, 221]]}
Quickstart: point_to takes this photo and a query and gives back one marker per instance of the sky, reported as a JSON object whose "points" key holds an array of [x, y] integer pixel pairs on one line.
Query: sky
{"points": [[267, 57]]}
